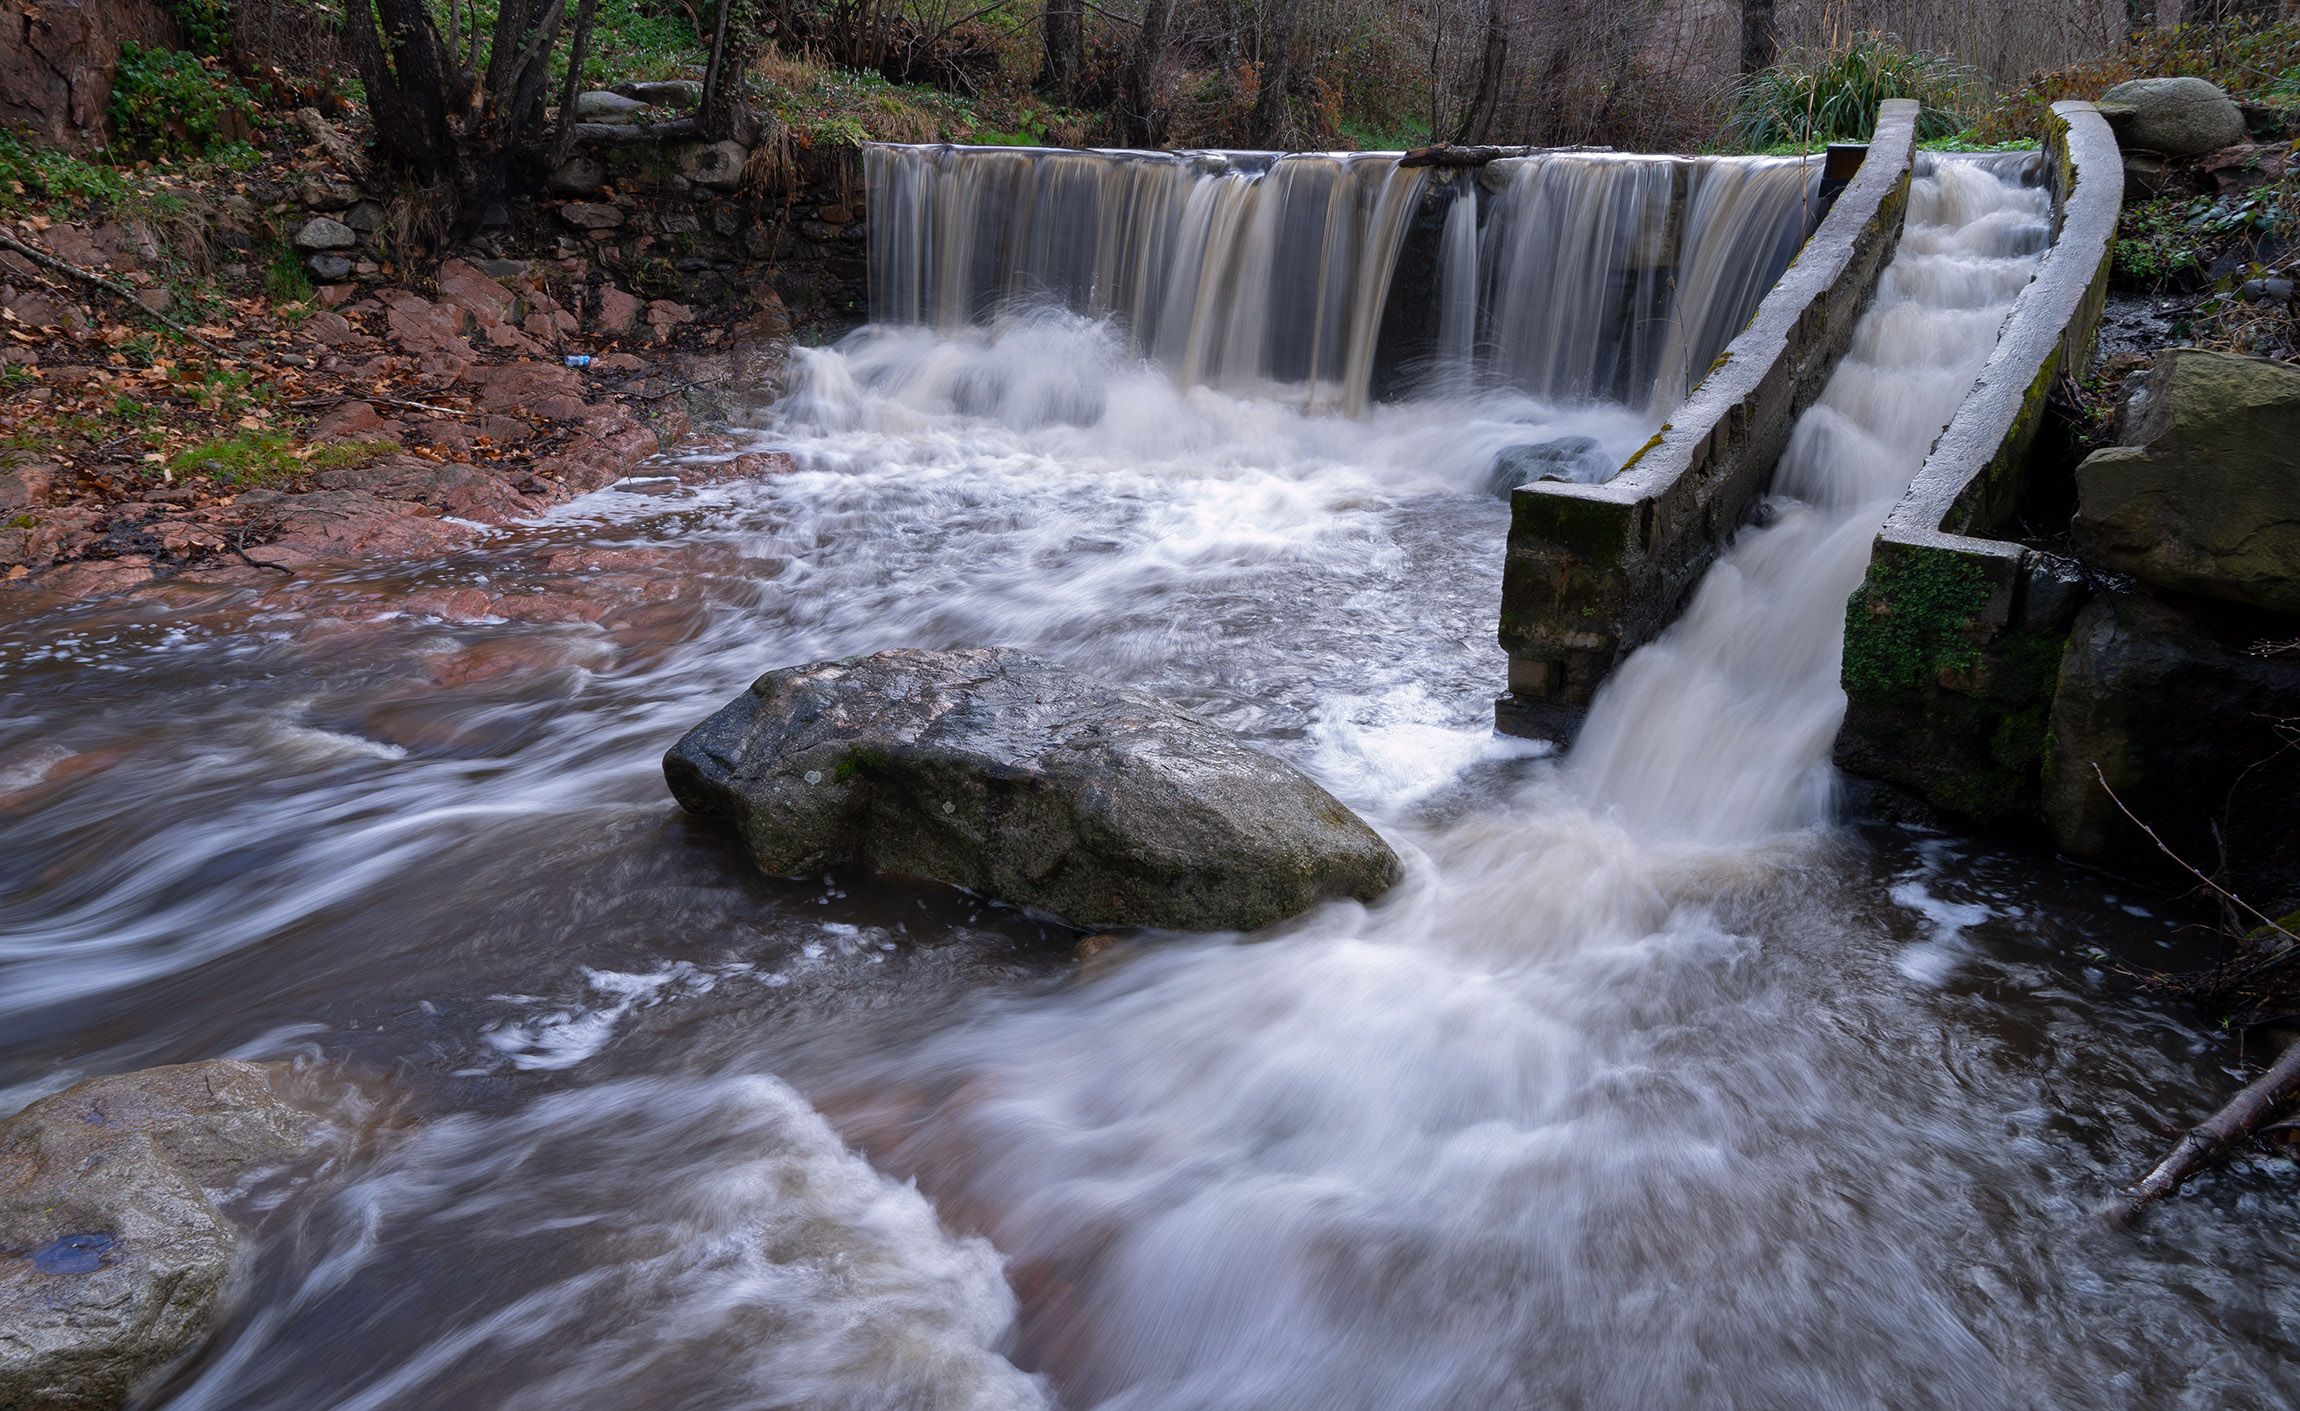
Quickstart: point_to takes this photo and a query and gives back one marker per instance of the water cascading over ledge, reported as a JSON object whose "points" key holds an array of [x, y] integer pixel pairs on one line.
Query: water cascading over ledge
{"points": [[1574, 277]]}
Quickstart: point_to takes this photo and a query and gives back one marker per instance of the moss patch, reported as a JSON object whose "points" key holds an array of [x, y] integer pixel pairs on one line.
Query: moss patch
{"points": [[1911, 622]]}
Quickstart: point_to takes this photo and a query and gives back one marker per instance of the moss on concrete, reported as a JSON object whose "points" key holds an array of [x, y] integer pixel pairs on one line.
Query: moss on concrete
{"points": [[1911, 622]]}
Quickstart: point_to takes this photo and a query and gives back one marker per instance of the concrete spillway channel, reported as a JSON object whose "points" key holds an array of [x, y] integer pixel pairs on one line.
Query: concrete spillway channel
{"points": [[1953, 643], [1596, 570]]}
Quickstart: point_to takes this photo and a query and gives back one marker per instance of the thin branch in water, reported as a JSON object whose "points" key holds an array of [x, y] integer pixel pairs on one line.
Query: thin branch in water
{"points": [[2214, 887]]}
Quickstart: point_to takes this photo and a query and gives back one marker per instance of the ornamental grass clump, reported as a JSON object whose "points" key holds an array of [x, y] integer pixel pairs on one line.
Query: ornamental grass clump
{"points": [[1816, 96]]}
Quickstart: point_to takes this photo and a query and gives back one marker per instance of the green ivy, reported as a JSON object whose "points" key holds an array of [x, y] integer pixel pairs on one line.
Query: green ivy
{"points": [[1909, 622], [207, 25], [170, 103]]}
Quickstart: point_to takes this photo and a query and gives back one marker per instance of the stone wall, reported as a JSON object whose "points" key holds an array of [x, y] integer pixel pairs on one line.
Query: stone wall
{"points": [[1595, 570]]}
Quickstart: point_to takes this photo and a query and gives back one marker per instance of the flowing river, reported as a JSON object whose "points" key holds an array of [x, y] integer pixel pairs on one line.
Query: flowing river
{"points": [[1654, 1084]]}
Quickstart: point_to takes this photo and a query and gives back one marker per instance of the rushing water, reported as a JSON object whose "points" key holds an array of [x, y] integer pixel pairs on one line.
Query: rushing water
{"points": [[1573, 276], [1649, 1087]]}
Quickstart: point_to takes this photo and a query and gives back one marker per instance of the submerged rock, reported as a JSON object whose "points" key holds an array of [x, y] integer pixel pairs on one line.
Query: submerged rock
{"points": [[2204, 496], [2183, 720], [2180, 117], [1017, 779], [1566, 458], [112, 1250]]}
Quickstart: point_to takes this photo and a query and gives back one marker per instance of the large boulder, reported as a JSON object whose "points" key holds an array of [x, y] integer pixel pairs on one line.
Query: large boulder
{"points": [[2204, 496], [2186, 723], [2180, 117], [113, 1251], [1019, 780]]}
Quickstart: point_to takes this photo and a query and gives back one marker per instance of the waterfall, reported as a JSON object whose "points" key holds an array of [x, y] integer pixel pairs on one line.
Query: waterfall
{"points": [[1618, 278], [1231, 269], [1721, 728], [1457, 285], [1574, 277]]}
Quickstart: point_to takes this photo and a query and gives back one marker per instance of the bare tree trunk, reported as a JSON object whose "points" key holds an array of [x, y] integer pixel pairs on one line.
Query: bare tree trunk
{"points": [[578, 50], [1140, 118], [1277, 63], [1478, 119], [1760, 37], [732, 39], [1064, 58]]}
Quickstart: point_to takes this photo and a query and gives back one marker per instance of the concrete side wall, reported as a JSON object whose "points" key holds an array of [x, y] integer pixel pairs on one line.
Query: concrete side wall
{"points": [[1953, 642], [1594, 571]]}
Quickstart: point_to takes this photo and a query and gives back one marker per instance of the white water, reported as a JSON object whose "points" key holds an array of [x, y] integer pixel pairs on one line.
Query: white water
{"points": [[1592, 1112], [1594, 278], [1446, 1152], [1720, 731]]}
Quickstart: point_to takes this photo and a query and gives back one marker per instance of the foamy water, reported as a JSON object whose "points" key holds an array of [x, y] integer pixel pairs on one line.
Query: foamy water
{"points": [[1647, 1086]]}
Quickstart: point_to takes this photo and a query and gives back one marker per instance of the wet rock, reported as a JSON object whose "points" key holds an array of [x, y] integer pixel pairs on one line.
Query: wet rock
{"points": [[591, 215], [2181, 717], [1566, 458], [1014, 778], [90, 578], [2204, 496], [464, 491], [323, 526], [2274, 290], [326, 233], [113, 1249], [2180, 117]]}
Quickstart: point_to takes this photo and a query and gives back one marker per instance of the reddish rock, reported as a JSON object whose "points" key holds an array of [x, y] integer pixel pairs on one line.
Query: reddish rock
{"points": [[333, 330], [619, 362], [56, 62], [515, 385], [663, 316], [34, 308], [420, 327], [93, 577], [321, 526], [443, 434], [335, 296], [449, 604], [466, 492], [445, 368], [617, 310], [510, 339], [485, 300], [349, 421], [750, 465], [506, 430], [24, 486], [561, 407]]}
